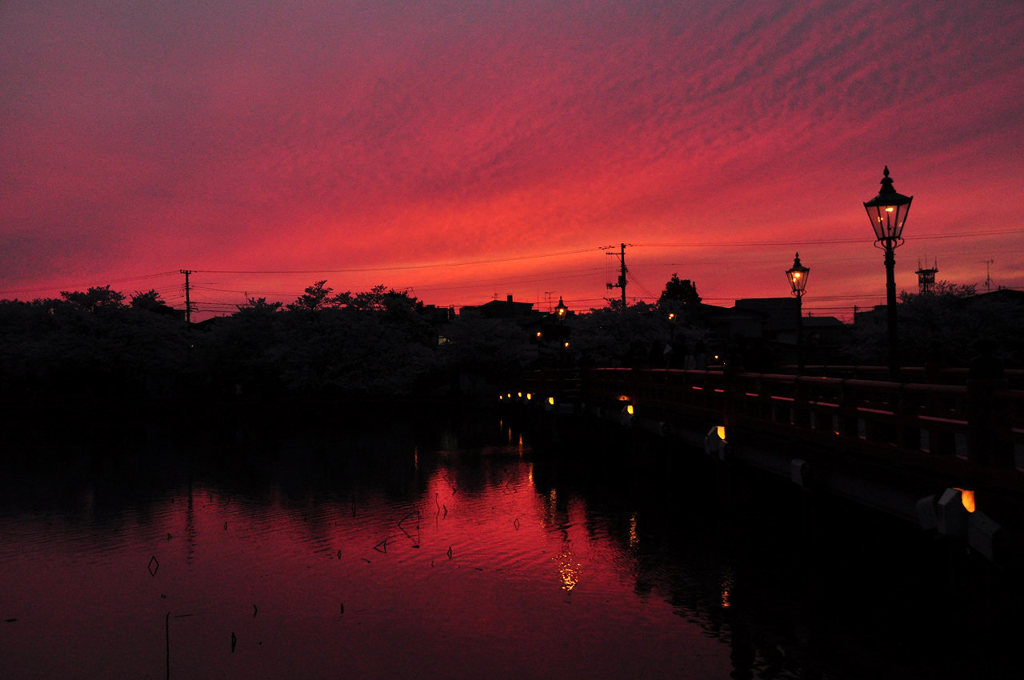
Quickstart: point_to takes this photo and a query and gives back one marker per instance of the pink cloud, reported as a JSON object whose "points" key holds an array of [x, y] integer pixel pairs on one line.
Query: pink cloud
{"points": [[336, 136]]}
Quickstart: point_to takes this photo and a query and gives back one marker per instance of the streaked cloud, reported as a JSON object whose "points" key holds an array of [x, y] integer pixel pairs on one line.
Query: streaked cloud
{"points": [[334, 135]]}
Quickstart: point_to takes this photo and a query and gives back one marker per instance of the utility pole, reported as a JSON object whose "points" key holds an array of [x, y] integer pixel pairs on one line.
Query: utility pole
{"points": [[188, 299], [622, 273]]}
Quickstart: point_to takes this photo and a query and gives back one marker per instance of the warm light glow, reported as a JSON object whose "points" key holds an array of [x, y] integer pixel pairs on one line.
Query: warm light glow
{"points": [[967, 498], [551, 401], [629, 409], [519, 394], [634, 536], [720, 431], [529, 396], [623, 397]]}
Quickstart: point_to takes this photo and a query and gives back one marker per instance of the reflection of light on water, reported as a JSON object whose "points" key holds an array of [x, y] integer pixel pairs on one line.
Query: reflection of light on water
{"points": [[568, 569], [416, 458], [634, 537], [727, 588]]}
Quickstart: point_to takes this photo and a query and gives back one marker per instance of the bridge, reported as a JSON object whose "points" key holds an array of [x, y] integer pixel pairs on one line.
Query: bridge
{"points": [[943, 450]]}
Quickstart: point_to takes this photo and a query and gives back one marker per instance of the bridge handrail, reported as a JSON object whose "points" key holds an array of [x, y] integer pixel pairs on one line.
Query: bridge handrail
{"points": [[980, 420]]}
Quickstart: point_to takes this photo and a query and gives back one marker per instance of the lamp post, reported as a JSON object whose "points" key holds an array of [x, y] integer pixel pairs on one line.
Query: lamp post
{"points": [[888, 213], [561, 311], [797, 275]]}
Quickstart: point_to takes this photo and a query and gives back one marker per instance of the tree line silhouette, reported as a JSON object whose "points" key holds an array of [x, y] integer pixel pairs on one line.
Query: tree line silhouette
{"points": [[103, 347]]}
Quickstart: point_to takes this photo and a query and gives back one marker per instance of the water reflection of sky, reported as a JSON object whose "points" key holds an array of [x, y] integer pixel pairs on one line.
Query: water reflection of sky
{"points": [[459, 563]]}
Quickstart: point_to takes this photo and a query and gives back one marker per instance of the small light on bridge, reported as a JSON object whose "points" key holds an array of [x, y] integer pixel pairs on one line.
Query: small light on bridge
{"points": [[551, 401], [720, 431], [519, 394], [967, 498], [629, 409], [529, 396]]}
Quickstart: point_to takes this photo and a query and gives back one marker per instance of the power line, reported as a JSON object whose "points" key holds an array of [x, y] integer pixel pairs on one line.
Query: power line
{"points": [[790, 244]]}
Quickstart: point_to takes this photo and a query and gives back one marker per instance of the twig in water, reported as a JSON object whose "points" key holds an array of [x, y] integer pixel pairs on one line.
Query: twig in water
{"points": [[449, 552], [154, 565], [254, 611], [167, 639], [234, 641]]}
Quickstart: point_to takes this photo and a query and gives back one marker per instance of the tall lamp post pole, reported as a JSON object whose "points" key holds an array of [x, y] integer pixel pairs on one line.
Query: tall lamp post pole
{"points": [[797, 275], [888, 213]]}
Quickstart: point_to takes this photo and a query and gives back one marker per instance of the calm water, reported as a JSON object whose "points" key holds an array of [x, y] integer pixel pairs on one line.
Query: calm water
{"points": [[428, 548]]}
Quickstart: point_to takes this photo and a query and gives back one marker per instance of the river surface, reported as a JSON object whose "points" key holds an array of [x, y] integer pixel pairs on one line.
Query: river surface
{"points": [[429, 547]]}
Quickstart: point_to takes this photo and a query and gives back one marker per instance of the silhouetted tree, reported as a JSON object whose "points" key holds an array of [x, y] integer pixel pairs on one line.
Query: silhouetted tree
{"points": [[95, 298], [314, 299], [949, 326], [679, 290], [259, 306], [150, 301], [380, 298]]}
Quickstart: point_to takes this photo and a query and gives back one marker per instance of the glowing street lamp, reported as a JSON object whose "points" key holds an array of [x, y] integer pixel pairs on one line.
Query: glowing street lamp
{"points": [[888, 214], [561, 311], [797, 275]]}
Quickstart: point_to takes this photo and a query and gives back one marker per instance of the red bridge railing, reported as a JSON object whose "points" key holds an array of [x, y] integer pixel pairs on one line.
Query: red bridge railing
{"points": [[975, 425]]}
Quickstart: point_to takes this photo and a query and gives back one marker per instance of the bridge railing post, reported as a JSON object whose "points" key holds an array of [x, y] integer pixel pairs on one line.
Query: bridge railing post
{"points": [[988, 420]]}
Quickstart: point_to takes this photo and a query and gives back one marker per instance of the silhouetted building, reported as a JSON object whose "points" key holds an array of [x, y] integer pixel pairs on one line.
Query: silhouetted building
{"points": [[501, 309]]}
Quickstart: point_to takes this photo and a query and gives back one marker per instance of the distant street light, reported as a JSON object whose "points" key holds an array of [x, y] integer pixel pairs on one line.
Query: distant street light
{"points": [[888, 213], [797, 275]]}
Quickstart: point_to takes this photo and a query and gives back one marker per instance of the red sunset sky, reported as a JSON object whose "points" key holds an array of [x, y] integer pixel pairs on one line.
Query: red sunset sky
{"points": [[465, 150]]}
